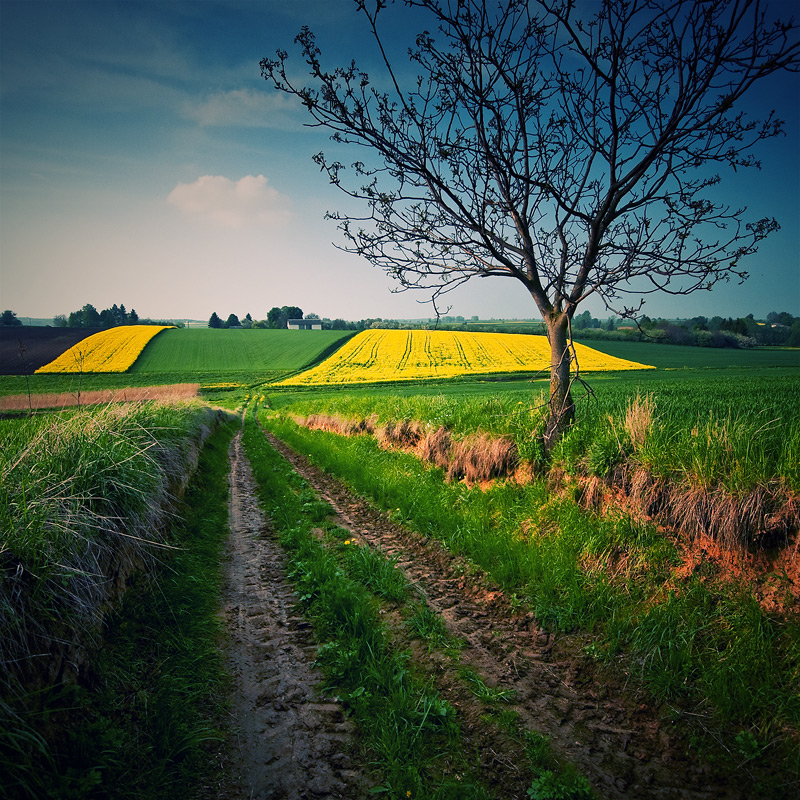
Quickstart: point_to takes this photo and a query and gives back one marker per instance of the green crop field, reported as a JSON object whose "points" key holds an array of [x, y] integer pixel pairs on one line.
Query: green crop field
{"points": [[672, 356], [209, 350]]}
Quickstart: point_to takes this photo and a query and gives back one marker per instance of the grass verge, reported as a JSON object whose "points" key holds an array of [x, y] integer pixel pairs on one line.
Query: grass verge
{"points": [[141, 721]]}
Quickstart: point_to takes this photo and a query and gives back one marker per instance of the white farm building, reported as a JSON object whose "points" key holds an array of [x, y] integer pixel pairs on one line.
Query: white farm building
{"points": [[304, 324]]}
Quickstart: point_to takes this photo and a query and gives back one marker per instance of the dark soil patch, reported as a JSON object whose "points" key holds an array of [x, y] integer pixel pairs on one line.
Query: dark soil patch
{"points": [[23, 348]]}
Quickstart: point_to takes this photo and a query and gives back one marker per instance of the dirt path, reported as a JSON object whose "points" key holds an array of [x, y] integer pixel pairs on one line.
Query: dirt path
{"points": [[595, 720], [293, 744]]}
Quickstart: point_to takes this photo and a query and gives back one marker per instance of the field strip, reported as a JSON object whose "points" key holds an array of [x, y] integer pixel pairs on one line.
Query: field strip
{"points": [[168, 393], [606, 729], [291, 741], [399, 355]]}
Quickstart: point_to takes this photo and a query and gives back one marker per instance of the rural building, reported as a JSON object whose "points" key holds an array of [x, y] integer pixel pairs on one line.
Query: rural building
{"points": [[304, 324]]}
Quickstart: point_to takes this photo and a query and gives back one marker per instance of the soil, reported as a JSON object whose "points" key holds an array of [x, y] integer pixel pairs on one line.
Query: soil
{"points": [[23, 348], [293, 742]]}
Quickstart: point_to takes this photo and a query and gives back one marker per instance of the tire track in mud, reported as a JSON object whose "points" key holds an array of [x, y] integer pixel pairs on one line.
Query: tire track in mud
{"points": [[291, 743], [609, 731]]}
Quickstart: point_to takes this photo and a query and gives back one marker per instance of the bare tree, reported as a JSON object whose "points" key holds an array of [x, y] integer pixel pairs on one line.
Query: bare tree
{"points": [[576, 157]]}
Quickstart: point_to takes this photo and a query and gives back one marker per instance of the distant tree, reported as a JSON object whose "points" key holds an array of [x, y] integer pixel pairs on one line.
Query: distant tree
{"points": [[291, 312], [214, 321], [311, 316], [60, 321], [782, 318], [9, 318], [278, 317], [133, 317], [338, 325], [232, 321], [734, 326], [576, 157], [581, 321], [89, 316]]}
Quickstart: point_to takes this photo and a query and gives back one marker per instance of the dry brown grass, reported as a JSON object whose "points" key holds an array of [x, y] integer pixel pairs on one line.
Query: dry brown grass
{"points": [[639, 419], [436, 446], [333, 424], [405, 434], [170, 393], [481, 458]]}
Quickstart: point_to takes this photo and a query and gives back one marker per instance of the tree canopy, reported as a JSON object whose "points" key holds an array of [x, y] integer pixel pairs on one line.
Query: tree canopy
{"points": [[579, 157]]}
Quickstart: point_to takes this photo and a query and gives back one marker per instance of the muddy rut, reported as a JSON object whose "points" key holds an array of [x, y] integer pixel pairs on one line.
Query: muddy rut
{"points": [[290, 743], [593, 718]]}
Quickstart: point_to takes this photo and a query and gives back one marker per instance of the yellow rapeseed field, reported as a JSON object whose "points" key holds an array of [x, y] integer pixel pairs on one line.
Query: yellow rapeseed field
{"points": [[390, 355], [113, 350]]}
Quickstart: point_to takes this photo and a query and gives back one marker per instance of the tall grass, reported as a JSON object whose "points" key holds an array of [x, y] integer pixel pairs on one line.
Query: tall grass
{"points": [[145, 723], [737, 433], [84, 496], [78, 487]]}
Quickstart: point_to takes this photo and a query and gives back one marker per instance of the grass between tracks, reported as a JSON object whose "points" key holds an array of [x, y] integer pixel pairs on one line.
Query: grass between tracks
{"points": [[412, 734], [142, 723], [704, 647]]}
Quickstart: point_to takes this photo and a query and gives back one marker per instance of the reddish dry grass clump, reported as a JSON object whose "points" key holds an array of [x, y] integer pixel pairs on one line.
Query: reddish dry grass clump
{"points": [[169, 393], [405, 434], [481, 458], [436, 447], [344, 427]]}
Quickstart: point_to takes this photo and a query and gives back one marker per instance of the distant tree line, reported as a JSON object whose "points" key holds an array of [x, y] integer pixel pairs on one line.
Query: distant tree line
{"points": [[779, 329], [90, 317], [276, 318], [9, 319]]}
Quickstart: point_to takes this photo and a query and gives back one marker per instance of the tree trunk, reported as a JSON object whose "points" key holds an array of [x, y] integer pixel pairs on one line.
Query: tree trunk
{"points": [[562, 409]]}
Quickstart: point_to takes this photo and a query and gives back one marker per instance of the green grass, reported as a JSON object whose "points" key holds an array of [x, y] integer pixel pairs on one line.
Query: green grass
{"points": [[146, 723], [699, 647], [409, 729], [712, 429], [670, 356], [257, 352]]}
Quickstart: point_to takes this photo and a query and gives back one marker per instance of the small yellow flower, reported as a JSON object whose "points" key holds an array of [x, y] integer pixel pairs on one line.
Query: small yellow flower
{"points": [[408, 794], [347, 541]]}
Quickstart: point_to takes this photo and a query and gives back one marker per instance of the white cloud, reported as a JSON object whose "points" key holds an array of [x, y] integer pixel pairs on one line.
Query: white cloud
{"points": [[245, 107], [246, 203]]}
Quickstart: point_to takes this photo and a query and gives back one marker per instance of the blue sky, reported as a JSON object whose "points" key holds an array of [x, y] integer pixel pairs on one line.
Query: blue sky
{"points": [[144, 160]]}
